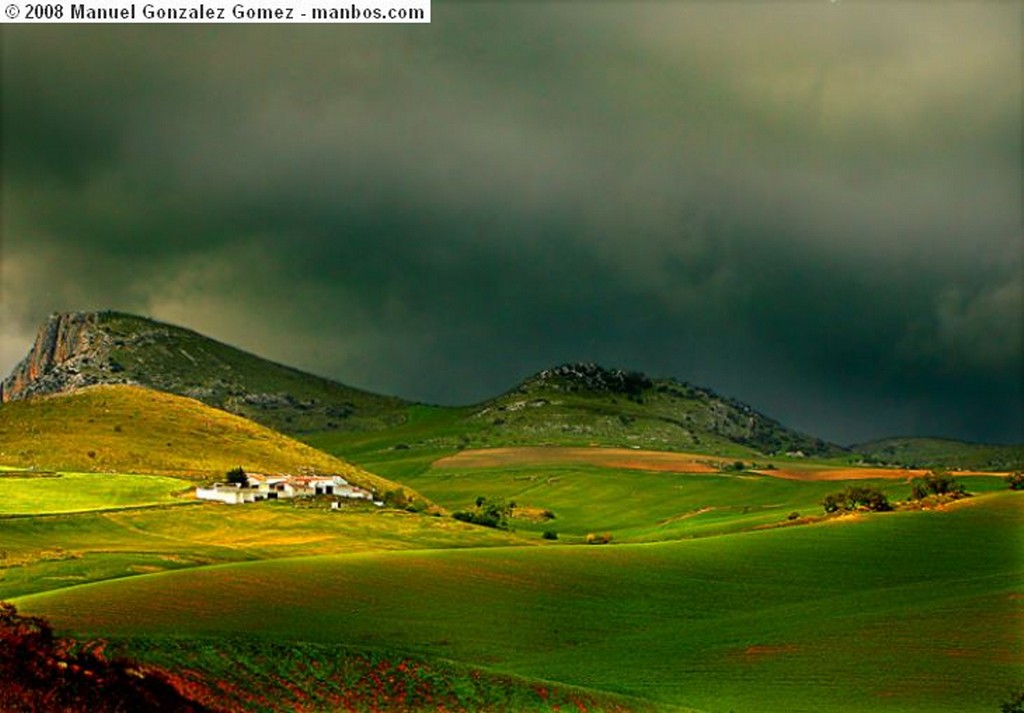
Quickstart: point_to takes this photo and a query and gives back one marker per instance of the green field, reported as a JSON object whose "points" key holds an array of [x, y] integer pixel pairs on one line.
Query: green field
{"points": [[28, 493], [721, 591], [52, 551], [846, 615], [645, 506]]}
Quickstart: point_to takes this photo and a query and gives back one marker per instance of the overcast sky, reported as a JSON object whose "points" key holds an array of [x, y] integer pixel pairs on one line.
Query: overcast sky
{"points": [[814, 207]]}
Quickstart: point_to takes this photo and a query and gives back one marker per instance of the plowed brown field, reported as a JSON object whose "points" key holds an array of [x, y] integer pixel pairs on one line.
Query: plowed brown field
{"points": [[607, 457], [662, 461]]}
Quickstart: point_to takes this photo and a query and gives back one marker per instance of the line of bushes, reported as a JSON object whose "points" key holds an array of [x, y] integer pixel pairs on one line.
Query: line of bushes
{"points": [[939, 486], [855, 498], [489, 513]]}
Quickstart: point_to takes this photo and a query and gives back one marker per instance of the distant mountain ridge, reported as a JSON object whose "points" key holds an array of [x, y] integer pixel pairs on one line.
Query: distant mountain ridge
{"points": [[79, 349], [575, 403], [941, 453]]}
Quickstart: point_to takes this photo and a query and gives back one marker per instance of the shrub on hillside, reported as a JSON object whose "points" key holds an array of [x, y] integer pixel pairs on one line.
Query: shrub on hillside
{"points": [[489, 513], [550, 535], [1015, 703], [936, 484], [399, 499], [594, 539], [857, 498], [1015, 481]]}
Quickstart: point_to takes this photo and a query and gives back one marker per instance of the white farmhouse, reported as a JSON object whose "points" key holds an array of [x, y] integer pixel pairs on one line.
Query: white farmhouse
{"points": [[260, 486]]}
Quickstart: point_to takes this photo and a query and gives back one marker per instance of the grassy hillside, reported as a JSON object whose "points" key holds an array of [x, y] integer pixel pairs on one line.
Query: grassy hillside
{"points": [[852, 615], [182, 361], [128, 429], [585, 403], [37, 493], [47, 552], [643, 505], [942, 453], [249, 674], [581, 405]]}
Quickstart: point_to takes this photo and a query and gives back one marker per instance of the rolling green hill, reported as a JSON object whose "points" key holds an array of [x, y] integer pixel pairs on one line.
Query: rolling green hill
{"points": [[942, 453], [129, 429], [847, 615]]}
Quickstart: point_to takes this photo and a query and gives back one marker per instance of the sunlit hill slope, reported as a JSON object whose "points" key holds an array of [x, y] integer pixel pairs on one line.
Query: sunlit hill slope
{"points": [[121, 428]]}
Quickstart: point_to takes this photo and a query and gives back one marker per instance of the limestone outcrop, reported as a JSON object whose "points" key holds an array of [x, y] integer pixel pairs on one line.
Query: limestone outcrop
{"points": [[67, 352]]}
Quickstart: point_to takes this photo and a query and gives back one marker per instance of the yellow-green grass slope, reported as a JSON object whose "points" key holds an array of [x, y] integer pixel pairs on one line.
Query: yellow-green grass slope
{"points": [[906, 611], [29, 493], [44, 552], [130, 429]]}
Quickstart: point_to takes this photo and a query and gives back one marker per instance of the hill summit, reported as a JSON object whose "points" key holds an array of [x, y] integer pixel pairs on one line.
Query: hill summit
{"points": [[584, 403], [79, 349], [587, 376]]}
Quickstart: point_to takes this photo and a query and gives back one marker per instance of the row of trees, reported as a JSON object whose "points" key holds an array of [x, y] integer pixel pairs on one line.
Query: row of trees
{"points": [[856, 498], [940, 485]]}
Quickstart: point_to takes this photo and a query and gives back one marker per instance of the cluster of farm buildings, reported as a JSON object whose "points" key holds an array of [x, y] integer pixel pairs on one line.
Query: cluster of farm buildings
{"points": [[260, 486]]}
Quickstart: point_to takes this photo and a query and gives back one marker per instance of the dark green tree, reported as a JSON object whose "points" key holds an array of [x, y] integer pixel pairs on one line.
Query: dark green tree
{"points": [[936, 484], [489, 513], [238, 477], [1015, 703]]}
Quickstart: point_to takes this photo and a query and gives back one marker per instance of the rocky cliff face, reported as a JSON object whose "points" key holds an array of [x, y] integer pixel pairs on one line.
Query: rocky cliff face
{"points": [[67, 353], [79, 349]]}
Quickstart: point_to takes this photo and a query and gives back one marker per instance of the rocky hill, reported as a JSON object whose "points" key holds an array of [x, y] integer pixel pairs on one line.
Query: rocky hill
{"points": [[79, 349], [584, 403], [576, 404]]}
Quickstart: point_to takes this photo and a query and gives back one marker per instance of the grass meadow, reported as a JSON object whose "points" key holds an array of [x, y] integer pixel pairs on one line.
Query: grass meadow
{"points": [[28, 493], [720, 591], [905, 611], [43, 552], [639, 503]]}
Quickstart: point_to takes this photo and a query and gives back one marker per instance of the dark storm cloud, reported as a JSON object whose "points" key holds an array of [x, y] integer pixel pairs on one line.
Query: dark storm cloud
{"points": [[813, 207]]}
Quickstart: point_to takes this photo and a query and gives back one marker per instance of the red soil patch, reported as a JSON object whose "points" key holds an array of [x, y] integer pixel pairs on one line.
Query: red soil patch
{"points": [[625, 458], [826, 473], [759, 651], [856, 473]]}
